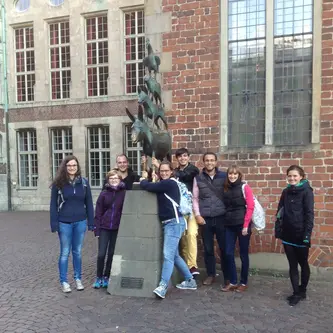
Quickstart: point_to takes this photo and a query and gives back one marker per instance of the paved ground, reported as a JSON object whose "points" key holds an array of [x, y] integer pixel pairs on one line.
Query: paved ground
{"points": [[31, 301]]}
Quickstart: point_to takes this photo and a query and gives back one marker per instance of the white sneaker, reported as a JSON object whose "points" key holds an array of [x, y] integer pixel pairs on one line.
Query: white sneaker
{"points": [[79, 285], [66, 288]]}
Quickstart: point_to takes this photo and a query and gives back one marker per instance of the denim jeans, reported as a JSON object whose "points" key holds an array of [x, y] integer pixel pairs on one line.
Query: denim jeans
{"points": [[106, 243], [173, 232], [71, 237], [214, 226], [231, 235]]}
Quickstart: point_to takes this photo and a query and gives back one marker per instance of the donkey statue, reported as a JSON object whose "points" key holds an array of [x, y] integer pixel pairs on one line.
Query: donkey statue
{"points": [[151, 110], [153, 141], [154, 88], [152, 62]]}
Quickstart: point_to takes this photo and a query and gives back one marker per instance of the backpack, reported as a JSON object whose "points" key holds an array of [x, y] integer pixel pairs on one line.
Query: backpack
{"points": [[185, 204], [258, 217], [61, 199]]}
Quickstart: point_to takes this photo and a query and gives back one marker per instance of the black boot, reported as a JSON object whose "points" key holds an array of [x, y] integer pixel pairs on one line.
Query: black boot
{"points": [[294, 299], [302, 292]]}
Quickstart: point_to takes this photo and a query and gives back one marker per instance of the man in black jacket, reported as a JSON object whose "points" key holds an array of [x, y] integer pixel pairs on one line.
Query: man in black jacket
{"points": [[185, 173], [128, 175]]}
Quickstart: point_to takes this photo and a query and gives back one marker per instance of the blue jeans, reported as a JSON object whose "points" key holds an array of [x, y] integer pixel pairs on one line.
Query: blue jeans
{"points": [[173, 232], [71, 237], [231, 235]]}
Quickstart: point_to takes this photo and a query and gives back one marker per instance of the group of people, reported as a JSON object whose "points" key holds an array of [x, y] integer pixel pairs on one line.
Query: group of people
{"points": [[223, 205]]}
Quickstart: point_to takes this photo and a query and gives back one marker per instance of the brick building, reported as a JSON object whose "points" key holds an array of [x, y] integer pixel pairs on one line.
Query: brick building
{"points": [[248, 79]]}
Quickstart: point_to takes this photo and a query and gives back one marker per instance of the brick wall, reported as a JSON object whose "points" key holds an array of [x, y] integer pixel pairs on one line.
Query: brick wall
{"points": [[194, 119]]}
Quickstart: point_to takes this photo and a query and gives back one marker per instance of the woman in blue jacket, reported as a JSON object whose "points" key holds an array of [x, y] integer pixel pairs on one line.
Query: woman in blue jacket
{"points": [[173, 227], [71, 207]]}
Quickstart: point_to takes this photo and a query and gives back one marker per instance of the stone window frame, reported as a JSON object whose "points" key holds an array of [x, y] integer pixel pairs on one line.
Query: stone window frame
{"points": [[22, 74], [60, 71], [96, 69], [133, 153], [269, 78], [103, 152], [30, 151], [130, 89], [67, 145]]}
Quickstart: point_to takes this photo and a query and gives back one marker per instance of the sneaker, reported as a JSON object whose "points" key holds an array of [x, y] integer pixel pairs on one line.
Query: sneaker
{"points": [[187, 284], [294, 300], [302, 294], [105, 282], [79, 285], [194, 271], [160, 291], [66, 288], [98, 283]]}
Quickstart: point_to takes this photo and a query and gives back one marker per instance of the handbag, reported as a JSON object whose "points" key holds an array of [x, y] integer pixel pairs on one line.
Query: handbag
{"points": [[279, 223]]}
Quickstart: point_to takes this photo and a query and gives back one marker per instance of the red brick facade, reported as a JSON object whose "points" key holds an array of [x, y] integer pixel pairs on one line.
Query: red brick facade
{"points": [[194, 119]]}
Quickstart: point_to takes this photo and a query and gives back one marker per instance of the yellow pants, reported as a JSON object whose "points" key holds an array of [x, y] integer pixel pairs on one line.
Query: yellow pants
{"points": [[188, 242]]}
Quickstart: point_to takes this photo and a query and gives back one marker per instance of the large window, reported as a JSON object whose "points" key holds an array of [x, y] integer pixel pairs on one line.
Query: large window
{"points": [[99, 154], [60, 60], [134, 50], [97, 55], [269, 73], [62, 145], [25, 64], [27, 158], [133, 151]]}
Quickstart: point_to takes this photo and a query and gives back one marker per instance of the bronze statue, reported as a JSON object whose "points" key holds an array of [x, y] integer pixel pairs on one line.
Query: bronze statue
{"points": [[155, 139], [151, 110], [151, 62], [154, 142], [154, 87]]}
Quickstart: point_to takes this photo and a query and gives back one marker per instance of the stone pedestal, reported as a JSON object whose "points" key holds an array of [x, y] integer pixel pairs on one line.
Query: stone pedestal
{"points": [[137, 261]]}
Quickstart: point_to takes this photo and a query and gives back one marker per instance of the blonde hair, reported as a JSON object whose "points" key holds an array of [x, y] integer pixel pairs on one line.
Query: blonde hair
{"points": [[114, 172]]}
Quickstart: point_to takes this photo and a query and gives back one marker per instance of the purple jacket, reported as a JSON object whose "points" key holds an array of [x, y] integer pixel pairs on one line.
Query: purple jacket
{"points": [[108, 211]]}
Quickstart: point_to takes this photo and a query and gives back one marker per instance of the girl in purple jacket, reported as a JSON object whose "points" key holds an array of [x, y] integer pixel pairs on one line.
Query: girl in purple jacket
{"points": [[108, 211]]}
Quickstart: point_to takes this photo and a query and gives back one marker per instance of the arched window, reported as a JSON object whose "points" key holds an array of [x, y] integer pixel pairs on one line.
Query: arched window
{"points": [[22, 5], [56, 2]]}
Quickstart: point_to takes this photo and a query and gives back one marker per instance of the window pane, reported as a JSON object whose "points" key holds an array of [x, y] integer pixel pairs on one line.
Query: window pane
{"points": [[246, 73], [135, 50], [292, 72], [28, 165]]}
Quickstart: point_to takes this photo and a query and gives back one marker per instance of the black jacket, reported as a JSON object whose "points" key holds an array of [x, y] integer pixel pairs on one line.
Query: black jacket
{"points": [[131, 178], [235, 204], [187, 175], [298, 213]]}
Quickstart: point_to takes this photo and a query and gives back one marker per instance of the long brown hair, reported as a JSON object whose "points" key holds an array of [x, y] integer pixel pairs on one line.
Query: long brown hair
{"points": [[234, 169], [62, 178]]}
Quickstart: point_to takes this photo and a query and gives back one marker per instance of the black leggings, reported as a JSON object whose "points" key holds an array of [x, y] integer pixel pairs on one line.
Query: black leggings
{"points": [[106, 243], [298, 256]]}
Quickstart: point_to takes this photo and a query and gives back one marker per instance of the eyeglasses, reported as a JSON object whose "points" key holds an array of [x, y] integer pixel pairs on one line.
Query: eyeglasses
{"points": [[71, 165], [114, 178], [165, 171]]}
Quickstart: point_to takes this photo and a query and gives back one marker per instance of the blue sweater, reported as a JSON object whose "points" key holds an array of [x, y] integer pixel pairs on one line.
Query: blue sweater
{"points": [[78, 205], [165, 207]]}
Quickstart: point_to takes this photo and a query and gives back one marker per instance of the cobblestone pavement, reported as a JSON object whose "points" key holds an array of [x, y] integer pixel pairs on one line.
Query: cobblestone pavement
{"points": [[31, 300]]}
